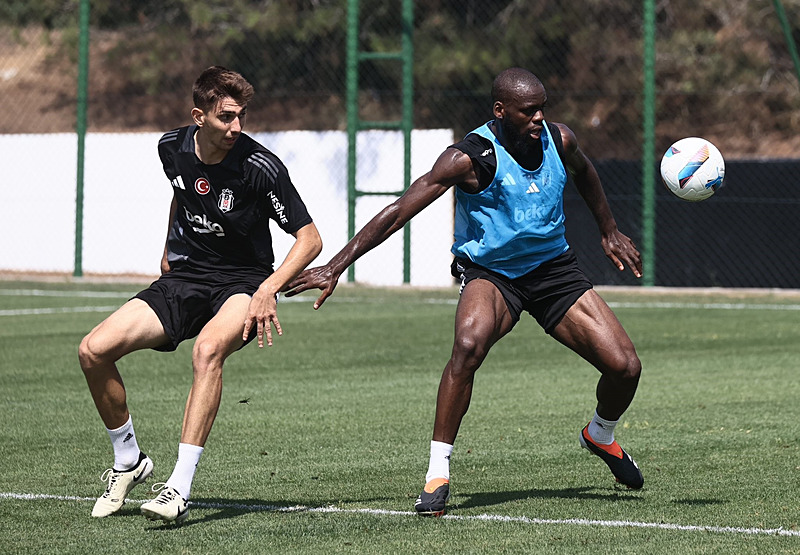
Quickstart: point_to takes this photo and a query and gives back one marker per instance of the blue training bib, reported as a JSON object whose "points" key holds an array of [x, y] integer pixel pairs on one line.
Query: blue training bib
{"points": [[517, 222]]}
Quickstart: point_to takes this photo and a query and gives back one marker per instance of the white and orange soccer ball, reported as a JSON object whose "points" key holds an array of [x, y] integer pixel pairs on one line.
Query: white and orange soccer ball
{"points": [[692, 169]]}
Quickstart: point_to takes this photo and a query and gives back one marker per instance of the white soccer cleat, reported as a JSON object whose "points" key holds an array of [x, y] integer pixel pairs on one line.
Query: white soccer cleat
{"points": [[168, 506], [120, 484]]}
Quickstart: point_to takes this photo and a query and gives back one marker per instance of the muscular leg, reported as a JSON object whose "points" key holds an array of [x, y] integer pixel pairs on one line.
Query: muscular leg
{"points": [[482, 318], [220, 337], [592, 330], [132, 327]]}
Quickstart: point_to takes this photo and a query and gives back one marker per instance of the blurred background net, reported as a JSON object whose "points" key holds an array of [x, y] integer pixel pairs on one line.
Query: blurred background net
{"points": [[723, 70]]}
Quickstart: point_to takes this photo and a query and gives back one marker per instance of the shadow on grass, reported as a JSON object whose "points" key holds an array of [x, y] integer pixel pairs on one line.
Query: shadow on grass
{"points": [[699, 502], [232, 508], [227, 508], [487, 499]]}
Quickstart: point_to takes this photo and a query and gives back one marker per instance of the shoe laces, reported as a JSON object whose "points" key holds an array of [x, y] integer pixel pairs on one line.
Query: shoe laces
{"points": [[109, 475], [165, 494]]}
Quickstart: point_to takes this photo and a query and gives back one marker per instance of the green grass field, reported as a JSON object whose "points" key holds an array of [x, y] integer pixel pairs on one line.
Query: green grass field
{"points": [[321, 442]]}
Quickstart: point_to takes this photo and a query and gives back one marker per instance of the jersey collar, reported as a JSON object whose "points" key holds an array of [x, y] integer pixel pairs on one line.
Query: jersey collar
{"points": [[230, 160]]}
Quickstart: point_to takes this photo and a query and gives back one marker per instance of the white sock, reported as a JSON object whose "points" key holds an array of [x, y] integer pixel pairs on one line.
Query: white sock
{"points": [[439, 465], [182, 476], [126, 450], [602, 430]]}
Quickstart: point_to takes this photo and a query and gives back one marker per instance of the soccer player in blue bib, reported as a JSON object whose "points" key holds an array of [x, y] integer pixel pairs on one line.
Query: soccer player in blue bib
{"points": [[218, 283], [511, 255]]}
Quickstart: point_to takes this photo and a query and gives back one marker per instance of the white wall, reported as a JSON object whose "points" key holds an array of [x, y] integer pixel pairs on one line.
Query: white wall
{"points": [[127, 197]]}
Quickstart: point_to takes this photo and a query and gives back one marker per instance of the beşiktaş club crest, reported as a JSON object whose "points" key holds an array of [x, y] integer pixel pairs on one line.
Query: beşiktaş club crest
{"points": [[226, 200]]}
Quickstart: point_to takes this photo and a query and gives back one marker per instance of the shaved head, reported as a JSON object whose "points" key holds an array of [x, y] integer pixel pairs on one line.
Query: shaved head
{"points": [[518, 103], [511, 82]]}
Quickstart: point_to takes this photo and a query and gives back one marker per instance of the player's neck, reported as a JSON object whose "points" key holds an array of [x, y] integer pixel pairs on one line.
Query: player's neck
{"points": [[206, 151], [528, 157]]}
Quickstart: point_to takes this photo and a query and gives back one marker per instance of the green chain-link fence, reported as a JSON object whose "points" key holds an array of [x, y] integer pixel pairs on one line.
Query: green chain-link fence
{"points": [[723, 70]]}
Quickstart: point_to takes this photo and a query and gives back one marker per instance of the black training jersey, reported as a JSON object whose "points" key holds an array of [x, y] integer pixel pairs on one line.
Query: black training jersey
{"points": [[484, 159], [223, 210]]}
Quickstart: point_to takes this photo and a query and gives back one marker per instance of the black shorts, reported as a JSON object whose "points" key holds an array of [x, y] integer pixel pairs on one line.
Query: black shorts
{"points": [[547, 292], [185, 299]]}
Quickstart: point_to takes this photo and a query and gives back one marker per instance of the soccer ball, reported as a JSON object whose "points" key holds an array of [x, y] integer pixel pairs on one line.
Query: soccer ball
{"points": [[692, 169]]}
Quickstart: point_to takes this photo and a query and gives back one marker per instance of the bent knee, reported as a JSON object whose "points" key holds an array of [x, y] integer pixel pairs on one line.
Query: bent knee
{"points": [[469, 351], [627, 366], [207, 355], [91, 354]]}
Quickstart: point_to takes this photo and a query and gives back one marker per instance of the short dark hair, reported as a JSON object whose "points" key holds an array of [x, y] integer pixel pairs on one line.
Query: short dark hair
{"points": [[216, 83], [507, 82]]}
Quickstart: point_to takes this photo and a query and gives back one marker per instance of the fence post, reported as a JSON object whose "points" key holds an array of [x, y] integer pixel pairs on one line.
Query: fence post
{"points": [[407, 120], [80, 128], [648, 145], [354, 123], [787, 33]]}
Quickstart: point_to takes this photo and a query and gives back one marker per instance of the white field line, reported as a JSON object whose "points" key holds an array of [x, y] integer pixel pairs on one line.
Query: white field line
{"points": [[707, 306], [256, 508], [310, 299], [55, 293], [62, 310]]}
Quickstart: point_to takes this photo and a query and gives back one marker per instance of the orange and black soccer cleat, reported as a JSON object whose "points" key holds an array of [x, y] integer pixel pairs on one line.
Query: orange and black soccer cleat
{"points": [[621, 464], [434, 497]]}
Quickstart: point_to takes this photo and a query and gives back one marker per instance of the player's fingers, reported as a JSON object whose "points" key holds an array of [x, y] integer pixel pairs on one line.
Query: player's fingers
{"points": [[635, 252], [268, 330], [634, 263], [277, 325], [260, 335], [321, 299], [326, 292], [246, 333], [637, 267], [298, 285], [632, 260], [620, 266], [302, 282]]}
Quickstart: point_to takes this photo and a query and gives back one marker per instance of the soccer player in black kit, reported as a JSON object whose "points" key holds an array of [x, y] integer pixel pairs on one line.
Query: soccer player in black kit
{"points": [[217, 283]]}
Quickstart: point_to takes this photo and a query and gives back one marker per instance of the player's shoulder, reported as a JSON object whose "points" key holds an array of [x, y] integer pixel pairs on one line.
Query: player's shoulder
{"points": [[479, 159], [475, 146], [562, 135], [174, 138], [174, 141], [255, 157]]}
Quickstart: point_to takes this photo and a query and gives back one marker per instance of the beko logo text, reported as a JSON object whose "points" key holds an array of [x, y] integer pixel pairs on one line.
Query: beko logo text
{"points": [[208, 226]]}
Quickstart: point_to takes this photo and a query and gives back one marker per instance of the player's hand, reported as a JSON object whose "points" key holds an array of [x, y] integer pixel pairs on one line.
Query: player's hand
{"points": [[321, 277], [263, 310], [622, 252]]}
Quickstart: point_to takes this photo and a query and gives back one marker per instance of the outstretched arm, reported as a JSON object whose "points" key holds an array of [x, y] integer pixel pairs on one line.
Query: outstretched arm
{"points": [[619, 248], [263, 306], [452, 167]]}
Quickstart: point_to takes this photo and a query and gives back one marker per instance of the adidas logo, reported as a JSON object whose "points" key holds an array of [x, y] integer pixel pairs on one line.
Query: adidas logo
{"points": [[532, 189], [127, 437]]}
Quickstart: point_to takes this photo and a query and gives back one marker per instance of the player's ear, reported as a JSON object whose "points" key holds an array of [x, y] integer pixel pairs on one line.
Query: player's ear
{"points": [[198, 116], [499, 109]]}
